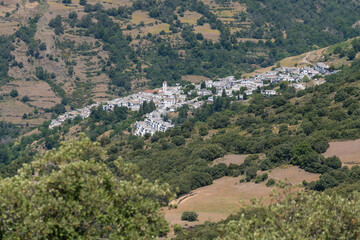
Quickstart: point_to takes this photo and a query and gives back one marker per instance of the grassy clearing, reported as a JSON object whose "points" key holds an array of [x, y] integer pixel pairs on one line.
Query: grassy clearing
{"points": [[140, 16], [207, 32], [190, 17]]}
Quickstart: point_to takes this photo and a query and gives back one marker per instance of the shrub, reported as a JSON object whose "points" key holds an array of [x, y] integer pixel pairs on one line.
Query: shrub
{"points": [[261, 178], [25, 99], [178, 140], [270, 182], [190, 216], [14, 93]]}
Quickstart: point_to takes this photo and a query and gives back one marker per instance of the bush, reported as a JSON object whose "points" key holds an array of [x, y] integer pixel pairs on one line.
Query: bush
{"points": [[177, 229], [14, 93], [178, 140], [251, 173], [25, 99], [190, 216], [270, 182], [203, 131], [261, 178]]}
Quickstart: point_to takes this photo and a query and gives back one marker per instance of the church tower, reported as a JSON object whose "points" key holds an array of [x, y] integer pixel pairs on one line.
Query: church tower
{"points": [[164, 86]]}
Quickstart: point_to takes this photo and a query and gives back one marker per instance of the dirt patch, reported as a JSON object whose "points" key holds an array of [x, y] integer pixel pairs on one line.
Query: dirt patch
{"points": [[251, 40], [348, 152], [226, 195], [195, 78], [227, 159], [292, 174]]}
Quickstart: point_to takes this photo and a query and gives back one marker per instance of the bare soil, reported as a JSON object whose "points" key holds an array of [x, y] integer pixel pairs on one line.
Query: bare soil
{"points": [[348, 152], [195, 78], [226, 195], [231, 158]]}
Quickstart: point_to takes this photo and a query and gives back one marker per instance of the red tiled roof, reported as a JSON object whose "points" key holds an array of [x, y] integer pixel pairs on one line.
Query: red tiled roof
{"points": [[152, 91]]}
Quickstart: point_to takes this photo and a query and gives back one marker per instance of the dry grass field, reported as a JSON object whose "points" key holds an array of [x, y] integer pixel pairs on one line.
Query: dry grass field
{"points": [[348, 152], [195, 78], [226, 195], [190, 17], [234, 158], [207, 32]]}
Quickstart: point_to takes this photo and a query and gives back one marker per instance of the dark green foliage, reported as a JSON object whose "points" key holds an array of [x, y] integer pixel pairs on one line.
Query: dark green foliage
{"points": [[56, 23], [270, 182], [333, 162], [189, 216], [261, 178], [5, 58], [178, 140], [25, 99], [14, 93], [59, 108], [42, 47]]}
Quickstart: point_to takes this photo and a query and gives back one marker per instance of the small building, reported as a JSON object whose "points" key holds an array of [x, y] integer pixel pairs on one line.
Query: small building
{"points": [[322, 67], [268, 92]]}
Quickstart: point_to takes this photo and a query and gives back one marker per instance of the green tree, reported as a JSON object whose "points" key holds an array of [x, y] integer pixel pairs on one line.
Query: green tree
{"points": [[190, 216], [71, 194], [59, 108], [14, 93], [178, 140]]}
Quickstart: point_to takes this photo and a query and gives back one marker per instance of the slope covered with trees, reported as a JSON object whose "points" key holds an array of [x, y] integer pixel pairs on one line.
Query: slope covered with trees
{"points": [[293, 128]]}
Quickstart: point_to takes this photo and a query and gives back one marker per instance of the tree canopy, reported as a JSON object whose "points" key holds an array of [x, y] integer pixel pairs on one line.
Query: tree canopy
{"points": [[70, 193]]}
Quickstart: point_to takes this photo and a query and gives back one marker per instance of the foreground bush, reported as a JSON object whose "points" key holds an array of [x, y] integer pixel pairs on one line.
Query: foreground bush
{"points": [[71, 194], [302, 216]]}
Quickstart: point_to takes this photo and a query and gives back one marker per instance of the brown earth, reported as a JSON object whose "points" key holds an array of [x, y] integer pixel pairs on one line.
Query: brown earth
{"points": [[195, 78], [234, 158], [231, 158], [348, 152], [226, 195]]}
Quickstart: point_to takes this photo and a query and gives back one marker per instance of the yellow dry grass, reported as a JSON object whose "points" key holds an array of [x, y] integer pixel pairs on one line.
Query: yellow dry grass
{"points": [[207, 32], [140, 16], [190, 17]]}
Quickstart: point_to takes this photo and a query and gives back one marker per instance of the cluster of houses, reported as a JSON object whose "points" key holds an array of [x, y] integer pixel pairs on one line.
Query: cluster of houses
{"points": [[169, 99]]}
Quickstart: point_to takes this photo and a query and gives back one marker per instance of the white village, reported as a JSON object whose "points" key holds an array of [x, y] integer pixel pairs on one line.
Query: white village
{"points": [[168, 99]]}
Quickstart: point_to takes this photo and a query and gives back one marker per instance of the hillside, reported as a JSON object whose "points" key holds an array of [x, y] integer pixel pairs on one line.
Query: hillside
{"points": [[293, 128], [299, 136], [73, 53]]}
